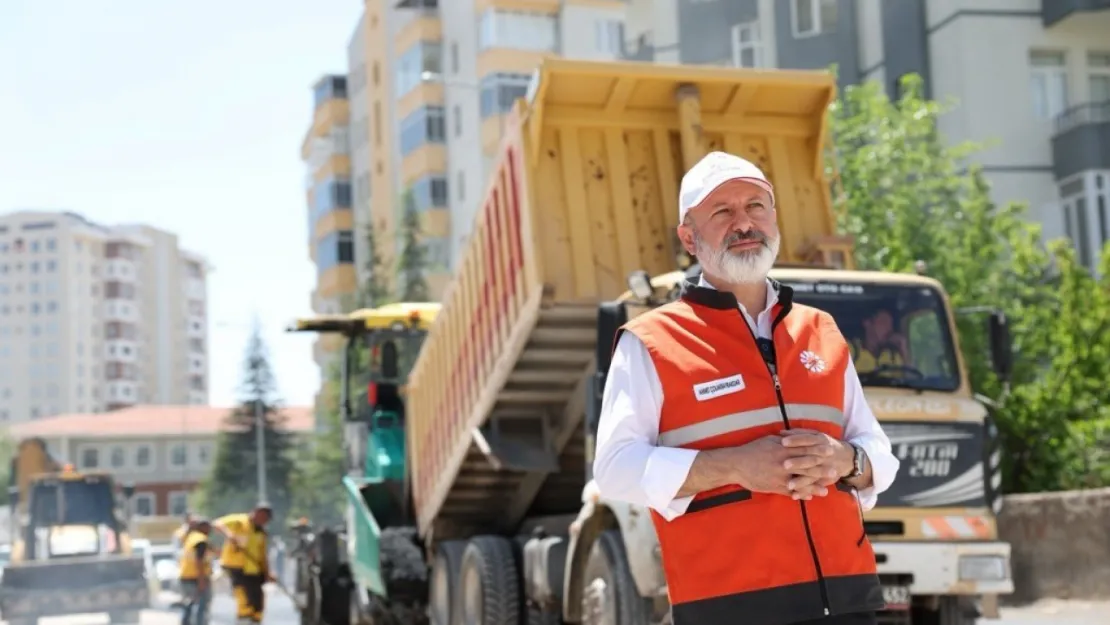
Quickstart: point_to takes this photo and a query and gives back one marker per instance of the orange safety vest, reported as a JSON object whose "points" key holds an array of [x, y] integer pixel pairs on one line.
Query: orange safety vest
{"points": [[736, 555]]}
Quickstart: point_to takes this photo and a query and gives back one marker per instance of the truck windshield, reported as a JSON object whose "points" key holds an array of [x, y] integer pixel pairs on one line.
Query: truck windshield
{"points": [[899, 334]]}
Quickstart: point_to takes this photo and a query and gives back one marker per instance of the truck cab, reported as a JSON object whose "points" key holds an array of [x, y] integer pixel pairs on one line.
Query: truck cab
{"points": [[934, 531]]}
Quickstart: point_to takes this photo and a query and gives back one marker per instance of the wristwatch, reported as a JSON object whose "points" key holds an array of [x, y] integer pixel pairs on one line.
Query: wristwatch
{"points": [[857, 462]]}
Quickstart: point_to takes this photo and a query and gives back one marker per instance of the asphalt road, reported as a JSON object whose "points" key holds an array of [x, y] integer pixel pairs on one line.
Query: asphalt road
{"points": [[280, 611]]}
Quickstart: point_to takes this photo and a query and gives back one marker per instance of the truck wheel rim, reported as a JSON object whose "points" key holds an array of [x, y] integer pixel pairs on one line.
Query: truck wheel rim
{"points": [[472, 597], [597, 604], [441, 604]]}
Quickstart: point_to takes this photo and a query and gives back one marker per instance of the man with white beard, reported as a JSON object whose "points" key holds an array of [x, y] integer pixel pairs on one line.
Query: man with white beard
{"points": [[747, 436]]}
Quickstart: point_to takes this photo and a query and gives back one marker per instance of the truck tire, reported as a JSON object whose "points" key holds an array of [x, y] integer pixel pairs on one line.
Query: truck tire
{"points": [[443, 583], [406, 580], [537, 616], [609, 595], [310, 615], [490, 588]]}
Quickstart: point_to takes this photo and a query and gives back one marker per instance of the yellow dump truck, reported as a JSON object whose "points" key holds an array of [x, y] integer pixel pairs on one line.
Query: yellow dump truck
{"points": [[71, 552], [501, 404]]}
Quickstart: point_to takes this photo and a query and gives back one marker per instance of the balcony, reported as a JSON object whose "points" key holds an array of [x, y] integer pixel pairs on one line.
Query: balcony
{"points": [[119, 310], [121, 350], [1057, 12], [196, 328], [538, 6], [197, 365], [1082, 139], [195, 289], [428, 6], [428, 158], [120, 269]]}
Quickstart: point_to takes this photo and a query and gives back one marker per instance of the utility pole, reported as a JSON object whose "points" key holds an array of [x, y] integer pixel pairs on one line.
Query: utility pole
{"points": [[260, 444]]}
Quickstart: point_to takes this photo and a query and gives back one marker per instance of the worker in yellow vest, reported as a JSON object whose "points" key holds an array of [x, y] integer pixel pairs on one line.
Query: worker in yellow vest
{"points": [[178, 540], [195, 566], [245, 558]]}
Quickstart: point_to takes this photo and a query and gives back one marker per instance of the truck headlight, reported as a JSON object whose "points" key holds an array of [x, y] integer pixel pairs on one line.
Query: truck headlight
{"points": [[983, 568]]}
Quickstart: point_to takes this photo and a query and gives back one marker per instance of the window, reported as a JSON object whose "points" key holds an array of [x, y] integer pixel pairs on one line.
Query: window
{"points": [[330, 195], [90, 458], [500, 91], [178, 455], [1085, 202], [204, 454], [178, 501], [1048, 83], [438, 251], [334, 249], [519, 30], [609, 37], [422, 126], [454, 57], [460, 185], [1098, 80], [813, 17], [747, 48], [428, 192], [418, 64], [329, 88], [456, 118], [142, 504], [118, 457]]}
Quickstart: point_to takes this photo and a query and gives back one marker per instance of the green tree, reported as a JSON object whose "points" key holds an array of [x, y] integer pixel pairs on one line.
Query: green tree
{"points": [[907, 196], [375, 288], [7, 452], [232, 485], [413, 260], [318, 489]]}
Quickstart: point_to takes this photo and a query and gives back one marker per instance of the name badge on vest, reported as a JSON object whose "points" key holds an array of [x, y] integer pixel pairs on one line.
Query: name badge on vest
{"points": [[716, 388]]}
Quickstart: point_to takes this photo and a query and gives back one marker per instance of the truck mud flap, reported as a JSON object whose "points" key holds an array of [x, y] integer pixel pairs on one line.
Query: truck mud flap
{"points": [[365, 536]]}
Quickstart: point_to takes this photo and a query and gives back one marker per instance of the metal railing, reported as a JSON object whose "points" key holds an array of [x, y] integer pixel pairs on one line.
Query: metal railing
{"points": [[1083, 114]]}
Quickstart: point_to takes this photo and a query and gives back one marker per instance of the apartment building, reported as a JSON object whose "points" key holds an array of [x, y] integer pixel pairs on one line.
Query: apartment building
{"points": [[1031, 78], [163, 451], [330, 206], [421, 109], [96, 318]]}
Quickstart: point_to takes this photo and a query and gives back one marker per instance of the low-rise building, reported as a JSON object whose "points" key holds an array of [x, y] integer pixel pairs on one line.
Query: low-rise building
{"points": [[164, 451]]}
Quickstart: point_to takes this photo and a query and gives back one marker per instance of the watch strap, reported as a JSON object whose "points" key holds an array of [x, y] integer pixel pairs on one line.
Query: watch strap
{"points": [[857, 461]]}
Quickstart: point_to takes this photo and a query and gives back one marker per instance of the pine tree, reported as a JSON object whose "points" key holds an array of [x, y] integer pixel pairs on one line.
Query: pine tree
{"points": [[232, 484], [413, 260], [375, 289]]}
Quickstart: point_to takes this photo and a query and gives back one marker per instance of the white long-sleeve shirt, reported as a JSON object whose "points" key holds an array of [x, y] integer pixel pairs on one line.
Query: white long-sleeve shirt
{"points": [[630, 466]]}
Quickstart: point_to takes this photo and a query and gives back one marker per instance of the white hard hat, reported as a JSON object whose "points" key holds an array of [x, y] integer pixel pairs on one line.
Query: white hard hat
{"points": [[713, 170]]}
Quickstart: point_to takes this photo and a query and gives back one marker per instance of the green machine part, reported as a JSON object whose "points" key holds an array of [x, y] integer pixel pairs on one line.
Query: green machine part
{"points": [[378, 498], [384, 476]]}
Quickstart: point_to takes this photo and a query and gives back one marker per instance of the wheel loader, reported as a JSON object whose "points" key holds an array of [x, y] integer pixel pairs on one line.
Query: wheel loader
{"points": [[71, 551]]}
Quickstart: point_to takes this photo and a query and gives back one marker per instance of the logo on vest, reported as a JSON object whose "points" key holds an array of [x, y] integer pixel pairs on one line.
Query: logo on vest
{"points": [[812, 362], [716, 388]]}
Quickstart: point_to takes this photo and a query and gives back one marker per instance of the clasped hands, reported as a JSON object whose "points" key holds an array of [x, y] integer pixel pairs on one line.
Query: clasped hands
{"points": [[798, 463]]}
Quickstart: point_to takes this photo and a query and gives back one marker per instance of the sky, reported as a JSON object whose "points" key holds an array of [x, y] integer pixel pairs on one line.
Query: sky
{"points": [[187, 116]]}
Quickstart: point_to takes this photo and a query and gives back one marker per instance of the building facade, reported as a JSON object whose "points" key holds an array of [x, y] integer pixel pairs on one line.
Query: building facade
{"points": [[164, 451], [330, 206], [96, 318], [1031, 79]]}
